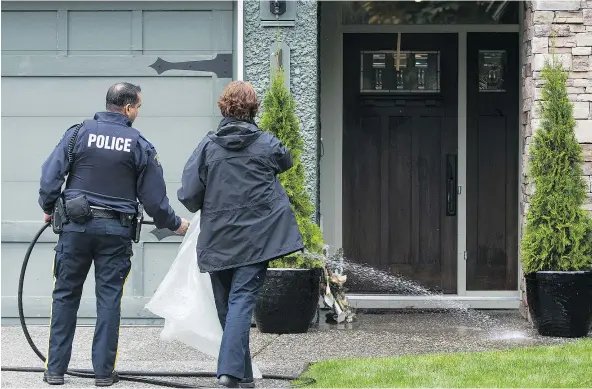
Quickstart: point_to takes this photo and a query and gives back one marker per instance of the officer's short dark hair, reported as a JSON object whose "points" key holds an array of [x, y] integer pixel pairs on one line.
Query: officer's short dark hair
{"points": [[239, 101], [122, 94]]}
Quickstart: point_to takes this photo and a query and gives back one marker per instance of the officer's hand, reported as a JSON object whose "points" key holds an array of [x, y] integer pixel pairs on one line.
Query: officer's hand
{"points": [[46, 218], [183, 228]]}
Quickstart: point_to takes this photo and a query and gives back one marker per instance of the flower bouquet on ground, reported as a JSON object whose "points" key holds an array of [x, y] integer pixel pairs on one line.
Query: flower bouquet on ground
{"points": [[333, 290]]}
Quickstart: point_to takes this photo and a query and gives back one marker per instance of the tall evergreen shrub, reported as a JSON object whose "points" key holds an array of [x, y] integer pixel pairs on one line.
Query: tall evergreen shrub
{"points": [[279, 118], [557, 233]]}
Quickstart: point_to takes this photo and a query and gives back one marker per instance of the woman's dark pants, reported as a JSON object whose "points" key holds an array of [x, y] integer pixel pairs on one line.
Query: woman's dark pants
{"points": [[235, 292]]}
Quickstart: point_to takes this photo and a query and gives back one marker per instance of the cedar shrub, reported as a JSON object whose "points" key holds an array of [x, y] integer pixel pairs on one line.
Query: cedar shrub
{"points": [[279, 118], [558, 230]]}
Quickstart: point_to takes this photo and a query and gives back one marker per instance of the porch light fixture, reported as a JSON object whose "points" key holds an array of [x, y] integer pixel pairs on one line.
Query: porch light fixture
{"points": [[277, 7], [277, 13]]}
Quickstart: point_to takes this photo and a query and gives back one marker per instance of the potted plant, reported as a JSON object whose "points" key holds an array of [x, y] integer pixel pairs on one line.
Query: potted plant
{"points": [[290, 295], [556, 246]]}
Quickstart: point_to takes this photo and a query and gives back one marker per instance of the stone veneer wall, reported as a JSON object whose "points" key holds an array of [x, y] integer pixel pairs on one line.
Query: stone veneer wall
{"points": [[571, 20], [302, 41]]}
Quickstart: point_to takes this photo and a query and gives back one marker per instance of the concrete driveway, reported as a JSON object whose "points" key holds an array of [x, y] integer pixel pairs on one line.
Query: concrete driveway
{"points": [[371, 335]]}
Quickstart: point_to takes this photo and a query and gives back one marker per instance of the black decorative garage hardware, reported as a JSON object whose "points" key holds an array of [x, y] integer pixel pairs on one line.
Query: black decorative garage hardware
{"points": [[221, 65]]}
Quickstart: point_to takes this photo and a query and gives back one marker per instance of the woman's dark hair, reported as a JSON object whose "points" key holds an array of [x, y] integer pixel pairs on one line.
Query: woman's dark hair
{"points": [[239, 101]]}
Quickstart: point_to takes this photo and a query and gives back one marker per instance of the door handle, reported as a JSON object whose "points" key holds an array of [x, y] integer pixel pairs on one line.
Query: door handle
{"points": [[451, 185]]}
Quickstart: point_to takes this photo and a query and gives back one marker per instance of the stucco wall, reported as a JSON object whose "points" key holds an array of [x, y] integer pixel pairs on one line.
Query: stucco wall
{"points": [[302, 40], [572, 22]]}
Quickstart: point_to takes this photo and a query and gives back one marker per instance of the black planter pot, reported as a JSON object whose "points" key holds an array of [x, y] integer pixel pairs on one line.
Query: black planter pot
{"points": [[288, 301], [560, 303]]}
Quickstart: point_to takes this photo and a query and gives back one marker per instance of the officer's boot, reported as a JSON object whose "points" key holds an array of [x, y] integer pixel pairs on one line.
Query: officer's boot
{"points": [[53, 379], [107, 381]]}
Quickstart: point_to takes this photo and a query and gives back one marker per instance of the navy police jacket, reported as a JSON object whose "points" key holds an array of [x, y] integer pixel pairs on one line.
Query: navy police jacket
{"points": [[114, 166], [246, 215]]}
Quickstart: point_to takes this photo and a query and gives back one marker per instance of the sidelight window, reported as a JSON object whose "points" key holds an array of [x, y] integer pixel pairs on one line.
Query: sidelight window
{"points": [[405, 72]]}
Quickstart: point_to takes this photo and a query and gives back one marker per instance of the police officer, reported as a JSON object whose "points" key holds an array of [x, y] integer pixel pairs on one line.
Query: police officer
{"points": [[110, 168]]}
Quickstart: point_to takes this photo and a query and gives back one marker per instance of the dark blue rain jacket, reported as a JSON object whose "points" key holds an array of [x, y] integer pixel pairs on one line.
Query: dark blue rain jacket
{"points": [[246, 216]]}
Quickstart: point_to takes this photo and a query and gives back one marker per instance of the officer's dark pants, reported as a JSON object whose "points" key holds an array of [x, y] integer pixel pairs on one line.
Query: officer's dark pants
{"points": [[236, 292], [107, 243]]}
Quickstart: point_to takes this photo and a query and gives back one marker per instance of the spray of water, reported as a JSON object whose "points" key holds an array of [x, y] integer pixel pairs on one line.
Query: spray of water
{"points": [[363, 272]]}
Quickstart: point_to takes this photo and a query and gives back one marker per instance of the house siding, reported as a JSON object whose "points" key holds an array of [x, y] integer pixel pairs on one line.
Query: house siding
{"points": [[571, 21], [302, 41]]}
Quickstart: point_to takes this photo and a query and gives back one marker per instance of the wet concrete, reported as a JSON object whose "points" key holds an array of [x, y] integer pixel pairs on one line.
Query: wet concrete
{"points": [[371, 335]]}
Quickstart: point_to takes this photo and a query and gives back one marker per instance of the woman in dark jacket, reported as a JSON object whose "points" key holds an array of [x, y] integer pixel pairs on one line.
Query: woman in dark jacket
{"points": [[246, 220]]}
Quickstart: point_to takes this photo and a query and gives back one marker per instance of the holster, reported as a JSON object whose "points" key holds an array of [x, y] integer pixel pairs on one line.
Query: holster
{"points": [[126, 219], [78, 210], [137, 223], [59, 216]]}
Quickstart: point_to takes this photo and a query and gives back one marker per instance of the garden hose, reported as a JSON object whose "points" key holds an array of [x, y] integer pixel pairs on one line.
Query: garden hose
{"points": [[133, 376]]}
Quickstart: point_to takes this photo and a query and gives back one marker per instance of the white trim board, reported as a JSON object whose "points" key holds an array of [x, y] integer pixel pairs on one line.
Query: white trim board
{"points": [[461, 214], [520, 139], [331, 100], [240, 40], [360, 301]]}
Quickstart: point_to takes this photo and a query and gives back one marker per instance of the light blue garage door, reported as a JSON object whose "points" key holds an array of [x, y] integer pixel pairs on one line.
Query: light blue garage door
{"points": [[58, 60]]}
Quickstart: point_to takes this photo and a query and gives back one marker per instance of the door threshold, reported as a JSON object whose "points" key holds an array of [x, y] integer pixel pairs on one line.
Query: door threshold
{"points": [[450, 301]]}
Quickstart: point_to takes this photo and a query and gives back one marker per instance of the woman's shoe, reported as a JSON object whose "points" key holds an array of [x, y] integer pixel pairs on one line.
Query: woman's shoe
{"points": [[226, 381], [246, 383]]}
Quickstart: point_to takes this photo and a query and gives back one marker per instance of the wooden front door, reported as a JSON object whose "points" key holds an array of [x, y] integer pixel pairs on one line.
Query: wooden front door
{"points": [[492, 161], [399, 161]]}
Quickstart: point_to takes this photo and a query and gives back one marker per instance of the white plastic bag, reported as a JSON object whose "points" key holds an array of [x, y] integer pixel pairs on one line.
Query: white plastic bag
{"points": [[185, 300]]}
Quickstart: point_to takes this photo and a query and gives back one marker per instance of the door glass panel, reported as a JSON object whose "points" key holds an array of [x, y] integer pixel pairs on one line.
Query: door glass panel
{"points": [[430, 12], [492, 65], [405, 72]]}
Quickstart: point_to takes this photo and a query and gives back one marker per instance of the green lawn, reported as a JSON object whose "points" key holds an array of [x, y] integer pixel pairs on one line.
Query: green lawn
{"points": [[562, 366]]}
